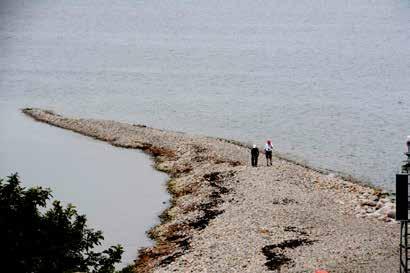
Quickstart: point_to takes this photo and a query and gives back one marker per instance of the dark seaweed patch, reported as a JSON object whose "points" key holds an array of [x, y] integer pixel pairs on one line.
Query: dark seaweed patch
{"points": [[222, 189], [170, 258], [140, 125], [235, 163], [199, 149], [293, 243], [207, 209], [274, 260], [296, 230], [180, 240], [185, 243], [284, 201], [213, 176], [203, 221], [199, 158], [209, 205], [232, 163], [274, 256]]}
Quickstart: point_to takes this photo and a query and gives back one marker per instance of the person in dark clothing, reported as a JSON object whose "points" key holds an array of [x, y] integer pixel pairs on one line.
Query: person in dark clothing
{"points": [[254, 156]]}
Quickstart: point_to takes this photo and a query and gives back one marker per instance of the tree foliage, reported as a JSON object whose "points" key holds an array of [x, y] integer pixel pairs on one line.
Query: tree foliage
{"points": [[35, 238]]}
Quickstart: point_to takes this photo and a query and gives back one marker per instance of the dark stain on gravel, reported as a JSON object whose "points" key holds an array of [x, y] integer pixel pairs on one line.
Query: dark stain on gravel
{"points": [[293, 243], [209, 205], [208, 210], [284, 201], [232, 163], [200, 153], [203, 221], [295, 230], [274, 260], [215, 179], [213, 176], [170, 258], [218, 176], [275, 256], [221, 189], [183, 242]]}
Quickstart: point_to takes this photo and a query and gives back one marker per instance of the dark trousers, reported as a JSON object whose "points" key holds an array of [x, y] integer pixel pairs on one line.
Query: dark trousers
{"points": [[269, 158], [254, 160]]}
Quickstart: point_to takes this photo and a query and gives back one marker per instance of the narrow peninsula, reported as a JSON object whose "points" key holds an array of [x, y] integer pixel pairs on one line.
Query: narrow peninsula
{"points": [[226, 216]]}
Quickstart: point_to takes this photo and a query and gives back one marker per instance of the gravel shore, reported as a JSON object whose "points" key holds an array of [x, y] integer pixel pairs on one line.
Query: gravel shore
{"points": [[227, 216]]}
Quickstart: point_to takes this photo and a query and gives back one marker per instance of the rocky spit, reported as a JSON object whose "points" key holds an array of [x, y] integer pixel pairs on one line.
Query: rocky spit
{"points": [[226, 216]]}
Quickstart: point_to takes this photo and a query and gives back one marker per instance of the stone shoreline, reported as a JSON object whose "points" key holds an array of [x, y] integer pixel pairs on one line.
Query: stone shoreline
{"points": [[226, 216]]}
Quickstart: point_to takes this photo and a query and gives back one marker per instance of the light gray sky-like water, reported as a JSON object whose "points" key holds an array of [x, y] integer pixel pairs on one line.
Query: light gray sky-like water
{"points": [[328, 81]]}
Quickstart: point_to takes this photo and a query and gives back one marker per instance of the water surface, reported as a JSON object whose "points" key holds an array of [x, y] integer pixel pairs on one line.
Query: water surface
{"points": [[327, 81], [117, 189]]}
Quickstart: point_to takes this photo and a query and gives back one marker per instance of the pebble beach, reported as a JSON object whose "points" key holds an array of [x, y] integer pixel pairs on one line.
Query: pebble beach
{"points": [[226, 216]]}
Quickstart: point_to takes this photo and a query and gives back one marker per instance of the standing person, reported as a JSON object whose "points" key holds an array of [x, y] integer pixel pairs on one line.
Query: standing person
{"points": [[254, 156], [268, 152]]}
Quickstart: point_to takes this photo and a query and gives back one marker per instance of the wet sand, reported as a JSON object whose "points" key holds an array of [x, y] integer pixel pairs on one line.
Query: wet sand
{"points": [[226, 216]]}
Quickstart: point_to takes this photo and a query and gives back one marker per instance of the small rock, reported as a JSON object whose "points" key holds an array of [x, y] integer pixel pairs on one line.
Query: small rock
{"points": [[369, 210], [389, 205], [365, 194], [383, 210], [382, 217], [373, 198], [384, 200], [369, 203], [391, 214], [374, 214]]}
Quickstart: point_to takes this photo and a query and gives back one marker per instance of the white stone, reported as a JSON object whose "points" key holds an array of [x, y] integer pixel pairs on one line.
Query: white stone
{"points": [[391, 214]]}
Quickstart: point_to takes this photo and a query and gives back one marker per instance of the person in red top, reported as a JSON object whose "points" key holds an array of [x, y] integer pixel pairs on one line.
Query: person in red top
{"points": [[268, 152]]}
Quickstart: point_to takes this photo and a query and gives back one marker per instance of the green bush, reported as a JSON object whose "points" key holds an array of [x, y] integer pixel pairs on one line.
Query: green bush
{"points": [[35, 239]]}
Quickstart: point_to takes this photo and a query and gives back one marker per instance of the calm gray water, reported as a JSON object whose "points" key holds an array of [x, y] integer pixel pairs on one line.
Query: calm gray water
{"points": [[117, 189], [327, 81]]}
